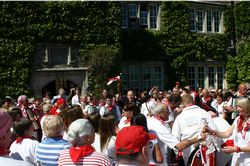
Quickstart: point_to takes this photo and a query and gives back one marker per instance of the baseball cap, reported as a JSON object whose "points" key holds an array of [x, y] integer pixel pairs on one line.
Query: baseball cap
{"points": [[79, 128], [5, 122], [131, 139]]}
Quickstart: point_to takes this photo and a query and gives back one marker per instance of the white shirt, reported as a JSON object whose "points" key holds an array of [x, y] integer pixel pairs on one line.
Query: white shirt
{"points": [[147, 106], [26, 150], [241, 158], [188, 124], [165, 138], [104, 110], [109, 150], [122, 123], [75, 100], [12, 162], [222, 125]]}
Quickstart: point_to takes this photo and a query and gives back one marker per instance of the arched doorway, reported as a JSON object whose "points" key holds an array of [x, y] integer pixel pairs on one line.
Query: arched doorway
{"points": [[53, 86]]}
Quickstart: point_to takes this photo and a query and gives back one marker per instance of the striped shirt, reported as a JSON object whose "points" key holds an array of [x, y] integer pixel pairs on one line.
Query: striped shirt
{"points": [[48, 151], [95, 158]]}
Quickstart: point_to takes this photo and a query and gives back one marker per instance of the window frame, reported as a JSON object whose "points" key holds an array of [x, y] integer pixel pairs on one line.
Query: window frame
{"points": [[154, 17]]}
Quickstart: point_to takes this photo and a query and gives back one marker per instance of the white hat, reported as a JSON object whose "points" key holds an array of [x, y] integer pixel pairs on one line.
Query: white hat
{"points": [[78, 129]]}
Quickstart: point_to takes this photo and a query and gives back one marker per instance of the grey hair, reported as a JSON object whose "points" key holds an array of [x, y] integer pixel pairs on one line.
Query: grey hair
{"points": [[78, 130], [159, 107]]}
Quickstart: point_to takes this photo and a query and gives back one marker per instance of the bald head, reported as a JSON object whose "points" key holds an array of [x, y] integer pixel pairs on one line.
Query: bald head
{"points": [[242, 89], [130, 95]]}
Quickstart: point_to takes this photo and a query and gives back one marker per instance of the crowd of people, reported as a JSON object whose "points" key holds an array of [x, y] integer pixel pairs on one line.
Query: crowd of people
{"points": [[181, 126]]}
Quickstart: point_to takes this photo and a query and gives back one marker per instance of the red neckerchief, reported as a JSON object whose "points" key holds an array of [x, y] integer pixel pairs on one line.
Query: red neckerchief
{"points": [[160, 119], [127, 120], [110, 107], [240, 124], [20, 139], [4, 152], [77, 152], [246, 127], [180, 155], [207, 99]]}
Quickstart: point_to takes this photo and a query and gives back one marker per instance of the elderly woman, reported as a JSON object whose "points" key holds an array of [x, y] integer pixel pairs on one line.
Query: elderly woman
{"points": [[81, 135], [241, 133], [48, 151]]}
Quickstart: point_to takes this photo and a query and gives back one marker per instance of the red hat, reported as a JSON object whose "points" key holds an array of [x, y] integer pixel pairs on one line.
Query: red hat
{"points": [[131, 139]]}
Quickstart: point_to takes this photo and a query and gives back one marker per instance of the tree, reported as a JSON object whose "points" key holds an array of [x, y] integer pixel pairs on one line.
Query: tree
{"points": [[103, 62]]}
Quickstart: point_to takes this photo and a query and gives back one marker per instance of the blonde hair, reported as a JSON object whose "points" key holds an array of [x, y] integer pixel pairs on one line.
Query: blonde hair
{"points": [[187, 99], [53, 126], [244, 103]]}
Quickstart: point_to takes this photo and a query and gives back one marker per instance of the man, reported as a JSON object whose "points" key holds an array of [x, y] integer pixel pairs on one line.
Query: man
{"points": [[206, 98], [173, 107], [242, 90], [230, 108], [189, 123], [110, 108], [157, 124], [131, 146]]}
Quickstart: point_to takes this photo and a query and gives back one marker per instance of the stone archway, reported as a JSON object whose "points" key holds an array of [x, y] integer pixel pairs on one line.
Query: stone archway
{"points": [[52, 80], [54, 85]]}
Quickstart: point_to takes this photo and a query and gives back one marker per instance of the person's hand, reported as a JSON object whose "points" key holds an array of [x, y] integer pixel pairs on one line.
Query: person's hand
{"points": [[149, 114], [152, 90], [229, 149], [210, 131], [72, 90], [202, 137]]}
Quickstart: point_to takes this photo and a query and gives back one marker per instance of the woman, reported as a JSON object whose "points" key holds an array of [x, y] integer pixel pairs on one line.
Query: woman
{"points": [[48, 150], [241, 134], [81, 135], [69, 115], [128, 111], [24, 147], [105, 138], [155, 152]]}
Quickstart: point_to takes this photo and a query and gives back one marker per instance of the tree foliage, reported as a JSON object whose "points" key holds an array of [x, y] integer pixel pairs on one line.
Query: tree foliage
{"points": [[242, 19], [243, 61], [103, 62]]}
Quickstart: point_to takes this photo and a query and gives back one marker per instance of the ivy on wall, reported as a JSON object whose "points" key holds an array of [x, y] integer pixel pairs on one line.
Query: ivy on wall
{"points": [[174, 43], [237, 23], [95, 26], [23, 24]]}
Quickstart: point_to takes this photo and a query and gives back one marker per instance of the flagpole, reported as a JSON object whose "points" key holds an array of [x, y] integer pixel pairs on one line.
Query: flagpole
{"points": [[119, 85]]}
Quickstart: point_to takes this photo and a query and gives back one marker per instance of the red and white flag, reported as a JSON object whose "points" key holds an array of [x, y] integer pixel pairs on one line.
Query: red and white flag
{"points": [[111, 80]]}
